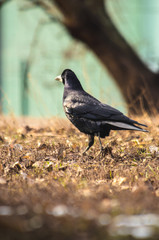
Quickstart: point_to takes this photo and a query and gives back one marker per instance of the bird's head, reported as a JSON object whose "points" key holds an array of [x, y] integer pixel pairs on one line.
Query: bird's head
{"points": [[69, 79]]}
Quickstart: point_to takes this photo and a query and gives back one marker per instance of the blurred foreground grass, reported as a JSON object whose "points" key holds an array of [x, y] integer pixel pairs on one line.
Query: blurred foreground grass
{"points": [[48, 190]]}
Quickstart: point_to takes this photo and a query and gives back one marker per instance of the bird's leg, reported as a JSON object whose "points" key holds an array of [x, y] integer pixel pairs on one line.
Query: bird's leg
{"points": [[91, 142], [106, 150], [101, 148]]}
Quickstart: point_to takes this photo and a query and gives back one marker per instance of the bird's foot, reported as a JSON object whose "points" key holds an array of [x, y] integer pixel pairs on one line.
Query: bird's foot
{"points": [[105, 151], [84, 153]]}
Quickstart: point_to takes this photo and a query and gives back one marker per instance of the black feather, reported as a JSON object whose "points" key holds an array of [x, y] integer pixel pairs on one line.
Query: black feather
{"points": [[88, 114]]}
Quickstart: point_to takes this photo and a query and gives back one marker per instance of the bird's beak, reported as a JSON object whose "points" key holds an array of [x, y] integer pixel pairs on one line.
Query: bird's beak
{"points": [[58, 78]]}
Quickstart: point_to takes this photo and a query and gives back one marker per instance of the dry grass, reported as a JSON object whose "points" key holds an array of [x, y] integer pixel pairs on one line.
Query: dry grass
{"points": [[42, 168]]}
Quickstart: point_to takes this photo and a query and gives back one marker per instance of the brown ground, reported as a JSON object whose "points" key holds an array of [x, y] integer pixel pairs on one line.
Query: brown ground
{"points": [[48, 190]]}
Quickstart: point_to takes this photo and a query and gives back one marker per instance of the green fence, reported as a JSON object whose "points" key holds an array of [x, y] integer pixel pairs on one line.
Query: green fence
{"points": [[35, 49]]}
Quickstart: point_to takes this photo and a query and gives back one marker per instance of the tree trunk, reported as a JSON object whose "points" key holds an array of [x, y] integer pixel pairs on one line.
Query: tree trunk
{"points": [[88, 21]]}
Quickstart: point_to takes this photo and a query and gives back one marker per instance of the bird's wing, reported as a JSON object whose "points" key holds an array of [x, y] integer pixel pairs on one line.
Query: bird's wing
{"points": [[86, 106], [89, 107]]}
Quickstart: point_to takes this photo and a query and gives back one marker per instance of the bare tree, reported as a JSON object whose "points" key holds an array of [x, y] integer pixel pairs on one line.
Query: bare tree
{"points": [[89, 22]]}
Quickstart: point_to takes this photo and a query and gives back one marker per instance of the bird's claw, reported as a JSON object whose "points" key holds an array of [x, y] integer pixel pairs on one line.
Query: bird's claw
{"points": [[105, 151], [84, 153]]}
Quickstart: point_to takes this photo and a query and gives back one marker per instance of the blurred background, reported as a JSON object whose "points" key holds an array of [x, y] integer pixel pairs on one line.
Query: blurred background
{"points": [[36, 48]]}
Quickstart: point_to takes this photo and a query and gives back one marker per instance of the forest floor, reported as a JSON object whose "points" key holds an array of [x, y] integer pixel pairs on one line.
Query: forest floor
{"points": [[49, 190]]}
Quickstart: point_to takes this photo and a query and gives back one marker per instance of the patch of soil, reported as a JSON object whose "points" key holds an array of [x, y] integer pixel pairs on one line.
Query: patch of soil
{"points": [[49, 190]]}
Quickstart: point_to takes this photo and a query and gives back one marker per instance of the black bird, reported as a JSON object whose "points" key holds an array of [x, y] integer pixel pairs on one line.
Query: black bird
{"points": [[88, 114]]}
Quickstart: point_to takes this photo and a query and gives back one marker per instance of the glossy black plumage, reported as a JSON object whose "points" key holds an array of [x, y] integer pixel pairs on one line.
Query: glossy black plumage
{"points": [[88, 114]]}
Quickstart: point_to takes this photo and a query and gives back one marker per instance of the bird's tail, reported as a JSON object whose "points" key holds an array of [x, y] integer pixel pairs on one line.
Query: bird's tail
{"points": [[135, 122], [126, 126]]}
